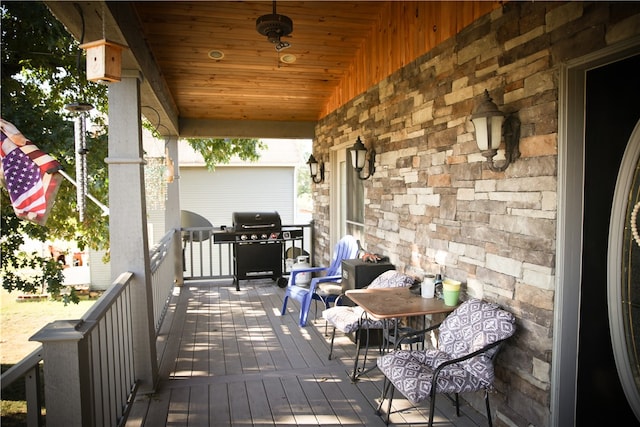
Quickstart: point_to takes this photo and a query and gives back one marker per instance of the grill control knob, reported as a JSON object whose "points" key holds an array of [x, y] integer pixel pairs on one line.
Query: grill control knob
{"points": [[264, 237], [244, 237], [254, 237]]}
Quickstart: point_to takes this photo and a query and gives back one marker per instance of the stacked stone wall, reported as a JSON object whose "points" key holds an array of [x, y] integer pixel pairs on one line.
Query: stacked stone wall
{"points": [[433, 194]]}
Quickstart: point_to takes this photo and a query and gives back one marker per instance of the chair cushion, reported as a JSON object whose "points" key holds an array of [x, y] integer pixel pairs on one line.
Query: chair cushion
{"points": [[349, 319], [471, 326], [329, 288], [391, 279], [411, 372]]}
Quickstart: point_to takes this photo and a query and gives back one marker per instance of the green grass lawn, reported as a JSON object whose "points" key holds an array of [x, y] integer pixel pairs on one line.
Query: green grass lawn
{"points": [[18, 322]]}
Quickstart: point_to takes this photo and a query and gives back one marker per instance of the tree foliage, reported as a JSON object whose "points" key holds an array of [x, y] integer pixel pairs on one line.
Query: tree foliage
{"points": [[221, 150], [40, 75], [42, 71]]}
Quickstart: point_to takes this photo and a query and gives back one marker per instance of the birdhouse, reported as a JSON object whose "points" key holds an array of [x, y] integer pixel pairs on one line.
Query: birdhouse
{"points": [[104, 60]]}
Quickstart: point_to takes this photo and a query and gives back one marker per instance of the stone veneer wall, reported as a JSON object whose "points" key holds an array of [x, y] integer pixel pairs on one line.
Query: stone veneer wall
{"points": [[432, 192]]}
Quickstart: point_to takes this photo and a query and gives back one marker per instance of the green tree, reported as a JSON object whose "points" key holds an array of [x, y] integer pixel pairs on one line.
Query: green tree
{"points": [[42, 72], [304, 179], [221, 150]]}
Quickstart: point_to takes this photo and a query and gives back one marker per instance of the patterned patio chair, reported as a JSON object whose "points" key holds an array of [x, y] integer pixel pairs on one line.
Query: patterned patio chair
{"points": [[326, 288], [469, 339], [354, 319]]}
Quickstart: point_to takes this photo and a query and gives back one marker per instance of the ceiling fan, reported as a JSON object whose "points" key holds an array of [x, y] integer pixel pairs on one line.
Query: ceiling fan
{"points": [[275, 26]]}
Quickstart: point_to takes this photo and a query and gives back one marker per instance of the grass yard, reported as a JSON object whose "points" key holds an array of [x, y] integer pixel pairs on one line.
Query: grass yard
{"points": [[18, 322]]}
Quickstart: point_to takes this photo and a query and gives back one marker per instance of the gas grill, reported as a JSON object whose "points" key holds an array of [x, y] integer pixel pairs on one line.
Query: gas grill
{"points": [[258, 244]]}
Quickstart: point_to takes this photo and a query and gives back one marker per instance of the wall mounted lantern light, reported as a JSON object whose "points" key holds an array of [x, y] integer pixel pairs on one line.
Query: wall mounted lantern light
{"points": [[359, 157], [491, 125], [315, 169]]}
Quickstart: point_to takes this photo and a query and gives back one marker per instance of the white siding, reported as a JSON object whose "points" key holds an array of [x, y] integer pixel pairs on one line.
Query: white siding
{"points": [[100, 272], [216, 195], [155, 220]]}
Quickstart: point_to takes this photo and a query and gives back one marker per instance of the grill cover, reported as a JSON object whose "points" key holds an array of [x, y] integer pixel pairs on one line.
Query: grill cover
{"points": [[248, 221]]}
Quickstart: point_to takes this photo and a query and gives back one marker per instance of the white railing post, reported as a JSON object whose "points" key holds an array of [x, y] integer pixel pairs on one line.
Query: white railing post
{"points": [[172, 208], [32, 383], [66, 378]]}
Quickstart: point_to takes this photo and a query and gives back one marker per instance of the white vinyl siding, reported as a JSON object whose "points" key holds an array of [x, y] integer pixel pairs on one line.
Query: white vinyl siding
{"points": [[216, 195], [100, 272]]}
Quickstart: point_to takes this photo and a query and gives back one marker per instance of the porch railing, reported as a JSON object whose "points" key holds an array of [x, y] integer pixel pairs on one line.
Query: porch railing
{"points": [[29, 369], [162, 266], [89, 362], [89, 370], [205, 257]]}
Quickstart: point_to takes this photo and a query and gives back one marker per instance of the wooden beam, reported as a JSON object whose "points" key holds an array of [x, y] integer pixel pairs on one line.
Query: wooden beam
{"points": [[196, 128], [155, 93], [121, 25]]}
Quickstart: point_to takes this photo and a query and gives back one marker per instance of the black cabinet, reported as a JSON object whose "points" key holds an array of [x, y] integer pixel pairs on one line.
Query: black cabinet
{"points": [[357, 274]]}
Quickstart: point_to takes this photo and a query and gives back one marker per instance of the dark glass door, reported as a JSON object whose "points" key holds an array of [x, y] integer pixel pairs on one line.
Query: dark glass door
{"points": [[612, 110]]}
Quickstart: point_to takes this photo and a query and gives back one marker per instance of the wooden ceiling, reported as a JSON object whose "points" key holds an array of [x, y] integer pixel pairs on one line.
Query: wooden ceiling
{"points": [[340, 47], [251, 82]]}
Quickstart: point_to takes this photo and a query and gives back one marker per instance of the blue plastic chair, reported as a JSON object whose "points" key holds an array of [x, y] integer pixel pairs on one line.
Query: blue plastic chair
{"points": [[346, 248]]}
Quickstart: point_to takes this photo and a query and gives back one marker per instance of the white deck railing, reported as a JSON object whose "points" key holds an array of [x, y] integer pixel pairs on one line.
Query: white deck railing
{"points": [[163, 274], [29, 369], [89, 363], [204, 257]]}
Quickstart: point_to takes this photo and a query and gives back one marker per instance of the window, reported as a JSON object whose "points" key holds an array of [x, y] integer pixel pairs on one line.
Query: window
{"points": [[347, 198], [354, 220]]}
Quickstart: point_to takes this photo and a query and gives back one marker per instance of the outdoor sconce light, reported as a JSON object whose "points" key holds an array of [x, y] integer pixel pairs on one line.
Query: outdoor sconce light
{"points": [[490, 124], [314, 169], [359, 156]]}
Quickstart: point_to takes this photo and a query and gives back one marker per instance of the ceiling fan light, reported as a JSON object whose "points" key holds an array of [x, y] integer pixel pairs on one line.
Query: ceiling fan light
{"points": [[274, 26], [288, 58], [216, 54], [282, 46]]}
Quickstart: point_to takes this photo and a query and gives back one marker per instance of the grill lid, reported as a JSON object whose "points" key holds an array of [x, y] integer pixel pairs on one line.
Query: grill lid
{"points": [[256, 220]]}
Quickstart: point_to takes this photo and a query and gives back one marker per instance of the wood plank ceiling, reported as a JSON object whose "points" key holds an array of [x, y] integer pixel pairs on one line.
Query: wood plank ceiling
{"points": [[340, 49], [251, 81]]}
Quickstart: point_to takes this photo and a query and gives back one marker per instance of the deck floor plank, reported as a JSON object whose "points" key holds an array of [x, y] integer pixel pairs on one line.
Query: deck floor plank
{"points": [[319, 403], [263, 336], [228, 358], [199, 406], [239, 403], [278, 342], [239, 357], [219, 414], [280, 408], [300, 405], [178, 414], [259, 404]]}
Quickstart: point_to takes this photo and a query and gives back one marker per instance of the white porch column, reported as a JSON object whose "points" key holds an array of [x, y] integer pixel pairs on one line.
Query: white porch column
{"points": [[128, 219], [172, 209]]}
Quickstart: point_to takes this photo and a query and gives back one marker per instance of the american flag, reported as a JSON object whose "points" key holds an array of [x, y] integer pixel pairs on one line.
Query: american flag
{"points": [[29, 175]]}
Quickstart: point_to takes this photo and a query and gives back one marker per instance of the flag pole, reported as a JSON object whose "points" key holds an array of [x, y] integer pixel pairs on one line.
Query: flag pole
{"points": [[104, 208]]}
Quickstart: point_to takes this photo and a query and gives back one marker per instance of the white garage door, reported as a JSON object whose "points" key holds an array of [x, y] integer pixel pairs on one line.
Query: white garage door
{"points": [[216, 195]]}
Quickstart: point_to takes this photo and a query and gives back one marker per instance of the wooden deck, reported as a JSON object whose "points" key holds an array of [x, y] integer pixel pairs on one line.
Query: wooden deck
{"points": [[228, 358]]}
